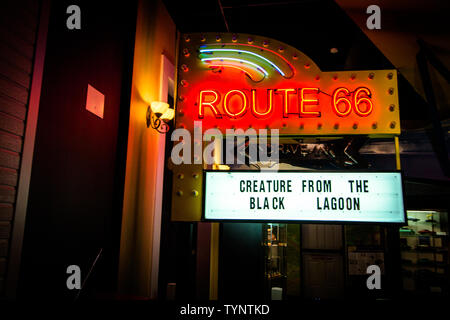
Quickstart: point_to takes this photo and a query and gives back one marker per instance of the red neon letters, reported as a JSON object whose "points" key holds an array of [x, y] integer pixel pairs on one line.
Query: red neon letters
{"points": [[204, 94], [359, 98], [304, 101], [342, 105], [243, 106], [269, 106], [235, 103], [285, 93], [339, 100]]}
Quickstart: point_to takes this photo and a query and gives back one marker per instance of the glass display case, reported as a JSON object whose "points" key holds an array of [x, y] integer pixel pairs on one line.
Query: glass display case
{"points": [[275, 259], [424, 252]]}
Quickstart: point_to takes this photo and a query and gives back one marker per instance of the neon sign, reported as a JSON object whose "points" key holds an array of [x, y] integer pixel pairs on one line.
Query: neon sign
{"points": [[243, 81], [306, 106]]}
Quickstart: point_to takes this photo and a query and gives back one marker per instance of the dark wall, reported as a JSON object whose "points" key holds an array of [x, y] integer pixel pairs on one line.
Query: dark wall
{"points": [[76, 190], [241, 262]]}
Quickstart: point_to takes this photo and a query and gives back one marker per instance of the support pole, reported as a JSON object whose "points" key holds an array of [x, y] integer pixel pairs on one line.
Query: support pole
{"points": [[214, 242], [214, 262], [397, 154]]}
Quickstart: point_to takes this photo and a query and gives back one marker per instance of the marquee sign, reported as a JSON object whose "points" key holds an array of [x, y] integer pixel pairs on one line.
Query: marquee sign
{"points": [[304, 196], [245, 81]]}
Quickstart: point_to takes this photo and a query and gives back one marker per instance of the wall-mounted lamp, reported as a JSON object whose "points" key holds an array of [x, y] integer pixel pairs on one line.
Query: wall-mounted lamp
{"points": [[158, 114]]}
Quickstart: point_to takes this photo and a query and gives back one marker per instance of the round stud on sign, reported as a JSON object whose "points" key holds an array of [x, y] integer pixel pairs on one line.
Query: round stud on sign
{"points": [[202, 38], [392, 125], [186, 52], [184, 83], [336, 126], [265, 43], [371, 75], [374, 125], [195, 175], [295, 56], [234, 38], [181, 126], [181, 113], [353, 77], [355, 126], [218, 38], [179, 193], [181, 176], [194, 193], [319, 126], [391, 108], [187, 38], [391, 91], [280, 49], [307, 65], [184, 68], [335, 77], [390, 75], [181, 98], [284, 125], [250, 40], [302, 126], [317, 78]]}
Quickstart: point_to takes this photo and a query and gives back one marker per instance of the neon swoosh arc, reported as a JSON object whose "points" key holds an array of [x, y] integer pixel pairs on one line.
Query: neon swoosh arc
{"points": [[238, 60], [245, 51], [238, 68]]}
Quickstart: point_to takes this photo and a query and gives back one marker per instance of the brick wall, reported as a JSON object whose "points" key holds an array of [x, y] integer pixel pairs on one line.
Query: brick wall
{"points": [[18, 28]]}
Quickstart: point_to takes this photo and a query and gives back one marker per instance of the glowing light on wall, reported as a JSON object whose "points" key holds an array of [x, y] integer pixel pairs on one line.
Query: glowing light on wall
{"points": [[246, 52]]}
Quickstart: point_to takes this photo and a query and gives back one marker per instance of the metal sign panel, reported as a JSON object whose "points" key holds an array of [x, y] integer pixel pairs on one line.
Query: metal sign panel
{"points": [[364, 197]]}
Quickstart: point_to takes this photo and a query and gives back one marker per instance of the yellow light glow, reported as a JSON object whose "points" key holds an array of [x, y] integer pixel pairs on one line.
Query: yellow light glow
{"points": [[168, 115], [159, 107], [221, 167]]}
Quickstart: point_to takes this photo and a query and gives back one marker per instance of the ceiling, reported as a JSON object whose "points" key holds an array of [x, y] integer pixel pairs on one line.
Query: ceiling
{"points": [[403, 22], [313, 27]]}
